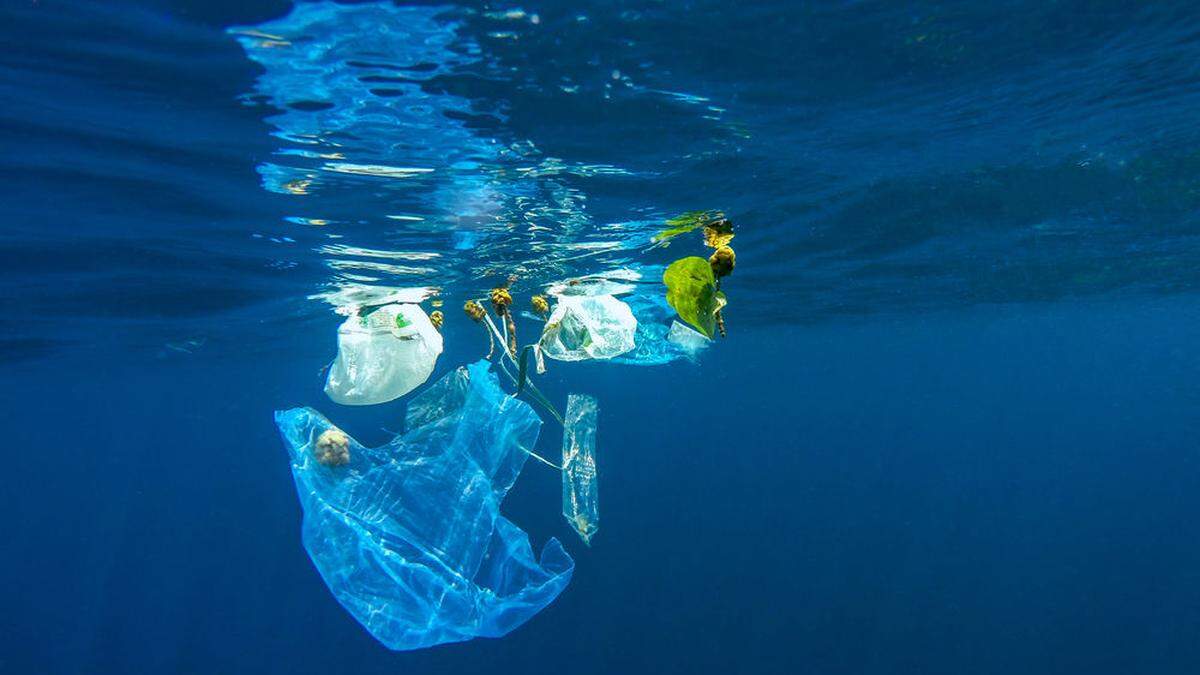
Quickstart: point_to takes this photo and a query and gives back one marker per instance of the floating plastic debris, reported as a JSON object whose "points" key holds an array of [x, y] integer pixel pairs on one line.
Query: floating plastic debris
{"points": [[687, 340], [581, 492], [383, 355], [658, 340], [438, 400], [588, 327], [408, 536]]}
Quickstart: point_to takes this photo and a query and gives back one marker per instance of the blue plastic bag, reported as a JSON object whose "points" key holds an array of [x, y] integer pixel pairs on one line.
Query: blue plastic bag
{"points": [[660, 339], [409, 537]]}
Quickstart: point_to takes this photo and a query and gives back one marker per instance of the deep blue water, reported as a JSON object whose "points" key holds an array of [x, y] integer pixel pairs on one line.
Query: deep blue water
{"points": [[952, 430]]}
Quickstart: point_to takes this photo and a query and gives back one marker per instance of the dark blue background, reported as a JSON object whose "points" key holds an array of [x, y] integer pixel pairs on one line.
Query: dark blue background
{"points": [[1010, 488], [976, 459]]}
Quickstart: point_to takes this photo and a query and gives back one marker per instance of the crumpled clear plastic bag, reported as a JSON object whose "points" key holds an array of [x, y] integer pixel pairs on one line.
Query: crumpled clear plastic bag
{"points": [[409, 537], [588, 327], [383, 355]]}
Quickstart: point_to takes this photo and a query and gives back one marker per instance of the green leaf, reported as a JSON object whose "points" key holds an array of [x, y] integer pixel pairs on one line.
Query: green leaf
{"points": [[692, 293], [401, 322], [686, 222], [523, 369]]}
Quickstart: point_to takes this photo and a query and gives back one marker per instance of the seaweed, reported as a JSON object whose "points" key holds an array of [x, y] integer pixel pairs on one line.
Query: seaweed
{"points": [[686, 222], [692, 292]]}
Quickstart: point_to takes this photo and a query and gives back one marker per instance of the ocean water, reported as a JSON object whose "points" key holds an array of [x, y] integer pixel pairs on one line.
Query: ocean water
{"points": [[952, 428]]}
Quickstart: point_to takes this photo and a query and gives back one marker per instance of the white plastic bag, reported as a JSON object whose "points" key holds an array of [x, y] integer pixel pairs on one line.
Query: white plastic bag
{"points": [[588, 327], [383, 355]]}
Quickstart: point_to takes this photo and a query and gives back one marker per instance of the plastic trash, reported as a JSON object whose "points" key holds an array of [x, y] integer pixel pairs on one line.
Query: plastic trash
{"points": [[689, 342], [383, 355], [539, 360], [440, 399], [409, 537], [588, 327], [660, 339], [581, 491]]}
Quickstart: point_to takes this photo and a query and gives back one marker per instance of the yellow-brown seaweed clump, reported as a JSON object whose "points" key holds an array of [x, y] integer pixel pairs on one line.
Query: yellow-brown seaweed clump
{"points": [[722, 261], [501, 300], [437, 319], [540, 305], [474, 310], [718, 233], [332, 448]]}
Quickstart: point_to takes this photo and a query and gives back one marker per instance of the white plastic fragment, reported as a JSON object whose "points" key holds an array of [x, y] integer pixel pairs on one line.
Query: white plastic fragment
{"points": [[537, 357], [383, 355], [588, 327], [581, 491]]}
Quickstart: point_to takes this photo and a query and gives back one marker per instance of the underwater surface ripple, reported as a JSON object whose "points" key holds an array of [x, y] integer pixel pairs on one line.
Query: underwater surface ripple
{"points": [[890, 159]]}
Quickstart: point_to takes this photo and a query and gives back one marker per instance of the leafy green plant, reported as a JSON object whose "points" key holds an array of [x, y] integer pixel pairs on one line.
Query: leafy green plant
{"points": [[686, 222], [692, 293]]}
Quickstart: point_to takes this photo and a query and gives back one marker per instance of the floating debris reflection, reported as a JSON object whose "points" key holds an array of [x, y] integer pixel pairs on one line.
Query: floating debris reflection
{"points": [[389, 156]]}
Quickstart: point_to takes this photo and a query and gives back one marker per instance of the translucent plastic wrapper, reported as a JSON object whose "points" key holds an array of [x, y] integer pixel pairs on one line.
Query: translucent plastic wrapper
{"points": [[660, 339], [439, 399], [588, 327], [383, 355], [581, 491], [688, 341], [409, 537]]}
